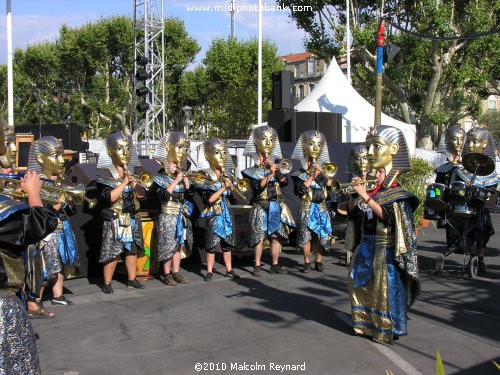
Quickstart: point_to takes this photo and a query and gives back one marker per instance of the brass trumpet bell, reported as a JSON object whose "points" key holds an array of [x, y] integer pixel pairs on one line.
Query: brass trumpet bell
{"points": [[346, 188], [329, 169], [285, 166], [144, 180]]}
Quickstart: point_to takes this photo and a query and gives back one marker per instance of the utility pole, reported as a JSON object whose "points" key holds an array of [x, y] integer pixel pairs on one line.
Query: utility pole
{"points": [[232, 10]]}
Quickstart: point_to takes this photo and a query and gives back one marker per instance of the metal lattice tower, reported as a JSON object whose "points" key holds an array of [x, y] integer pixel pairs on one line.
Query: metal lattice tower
{"points": [[149, 42]]}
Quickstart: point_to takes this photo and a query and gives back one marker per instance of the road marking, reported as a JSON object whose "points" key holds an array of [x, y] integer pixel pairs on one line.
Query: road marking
{"points": [[386, 351]]}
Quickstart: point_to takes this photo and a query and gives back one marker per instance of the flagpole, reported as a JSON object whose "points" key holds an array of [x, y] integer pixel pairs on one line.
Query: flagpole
{"points": [[379, 71], [348, 37], [259, 74], [10, 80]]}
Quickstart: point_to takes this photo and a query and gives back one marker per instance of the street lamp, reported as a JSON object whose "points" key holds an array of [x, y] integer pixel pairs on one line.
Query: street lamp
{"points": [[187, 115]]}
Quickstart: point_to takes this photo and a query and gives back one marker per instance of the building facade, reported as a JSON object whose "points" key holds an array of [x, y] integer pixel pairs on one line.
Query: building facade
{"points": [[307, 71]]}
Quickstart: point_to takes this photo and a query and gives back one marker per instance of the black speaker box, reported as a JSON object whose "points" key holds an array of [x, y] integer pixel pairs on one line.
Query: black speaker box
{"points": [[281, 120], [304, 121], [283, 87], [68, 133], [330, 124]]}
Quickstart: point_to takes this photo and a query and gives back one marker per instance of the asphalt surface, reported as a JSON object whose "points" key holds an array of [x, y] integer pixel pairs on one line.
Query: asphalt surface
{"points": [[255, 325]]}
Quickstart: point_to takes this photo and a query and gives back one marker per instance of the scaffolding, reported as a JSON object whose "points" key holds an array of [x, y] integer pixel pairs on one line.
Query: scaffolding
{"points": [[147, 123]]}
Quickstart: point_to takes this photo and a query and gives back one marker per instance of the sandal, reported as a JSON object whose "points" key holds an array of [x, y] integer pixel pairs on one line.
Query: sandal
{"points": [[40, 313]]}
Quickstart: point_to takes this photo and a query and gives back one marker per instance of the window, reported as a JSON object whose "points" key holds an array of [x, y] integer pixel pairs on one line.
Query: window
{"points": [[311, 87], [301, 91], [297, 70], [492, 104], [310, 66]]}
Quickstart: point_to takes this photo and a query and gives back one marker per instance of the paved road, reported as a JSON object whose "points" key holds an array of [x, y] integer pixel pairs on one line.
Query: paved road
{"points": [[254, 325]]}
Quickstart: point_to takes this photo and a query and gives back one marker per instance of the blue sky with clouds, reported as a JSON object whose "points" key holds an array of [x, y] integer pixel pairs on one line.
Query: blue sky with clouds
{"points": [[39, 20]]}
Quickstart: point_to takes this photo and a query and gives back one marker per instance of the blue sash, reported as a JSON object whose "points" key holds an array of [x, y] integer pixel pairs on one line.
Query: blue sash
{"points": [[67, 244], [224, 222], [319, 222]]}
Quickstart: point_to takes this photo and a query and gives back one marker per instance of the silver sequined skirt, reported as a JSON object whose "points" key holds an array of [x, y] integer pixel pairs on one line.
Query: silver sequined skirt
{"points": [[112, 248], [167, 245], [256, 223], [304, 234], [53, 264], [212, 240], [18, 353]]}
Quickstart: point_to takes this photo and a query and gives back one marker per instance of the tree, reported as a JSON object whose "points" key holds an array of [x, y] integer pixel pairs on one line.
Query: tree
{"points": [[224, 91], [87, 74], [491, 121], [433, 81]]}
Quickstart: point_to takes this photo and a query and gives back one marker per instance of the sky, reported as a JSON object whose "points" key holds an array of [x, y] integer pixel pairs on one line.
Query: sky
{"points": [[35, 21]]}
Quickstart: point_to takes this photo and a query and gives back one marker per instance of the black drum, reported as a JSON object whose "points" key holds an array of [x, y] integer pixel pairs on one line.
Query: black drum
{"points": [[478, 195], [458, 191], [432, 214], [436, 197], [463, 210]]}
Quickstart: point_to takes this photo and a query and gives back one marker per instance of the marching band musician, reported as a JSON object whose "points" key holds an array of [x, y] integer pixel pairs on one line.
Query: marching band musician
{"points": [[175, 233], [311, 185], [217, 193], [270, 216], [357, 163], [122, 229], [384, 269], [20, 225], [8, 159], [479, 141], [451, 144], [58, 248]]}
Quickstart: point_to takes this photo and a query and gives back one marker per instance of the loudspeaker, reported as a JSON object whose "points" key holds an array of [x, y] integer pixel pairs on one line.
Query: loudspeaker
{"points": [[281, 120], [283, 87], [330, 124], [304, 121], [68, 133]]}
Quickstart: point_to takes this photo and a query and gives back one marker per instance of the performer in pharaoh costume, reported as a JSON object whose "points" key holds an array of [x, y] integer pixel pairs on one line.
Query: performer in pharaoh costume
{"points": [[314, 228], [122, 228], [357, 166], [8, 160], [357, 163], [451, 144], [175, 234], [384, 269], [270, 217], [59, 248], [216, 190], [479, 141], [20, 225]]}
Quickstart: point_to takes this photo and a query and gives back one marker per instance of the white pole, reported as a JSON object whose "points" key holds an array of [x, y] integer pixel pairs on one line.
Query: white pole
{"points": [[259, 79], [10, 80], [348, 37]]}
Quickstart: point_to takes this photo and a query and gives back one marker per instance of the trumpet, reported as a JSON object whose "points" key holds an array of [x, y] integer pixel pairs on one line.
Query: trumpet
{"points": [[284, 165], [144, 180], [348, 187], [239, 186], [329, 169], [49, 193]]}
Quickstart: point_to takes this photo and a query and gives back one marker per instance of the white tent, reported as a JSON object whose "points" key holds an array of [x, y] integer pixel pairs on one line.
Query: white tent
{"points": [[334, 94]]}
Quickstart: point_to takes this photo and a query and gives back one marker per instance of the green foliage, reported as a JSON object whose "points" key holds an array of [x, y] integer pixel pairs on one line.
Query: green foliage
{"points": [[491, 121], [86, 73], [415, 182], [223, 93], [439, 81]]}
